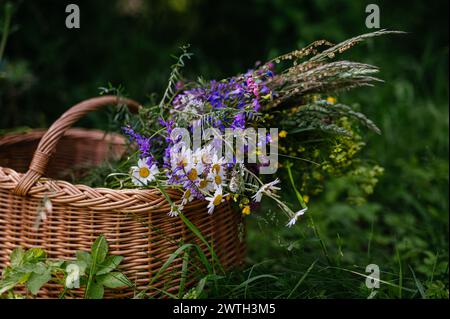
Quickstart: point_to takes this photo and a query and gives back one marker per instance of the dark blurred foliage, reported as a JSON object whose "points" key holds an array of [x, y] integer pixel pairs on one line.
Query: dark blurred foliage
{"points": [[129, 42]]}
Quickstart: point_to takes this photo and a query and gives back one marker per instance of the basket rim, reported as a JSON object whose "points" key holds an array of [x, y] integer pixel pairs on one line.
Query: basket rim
{"points": [[98, 198], [83, 196]]}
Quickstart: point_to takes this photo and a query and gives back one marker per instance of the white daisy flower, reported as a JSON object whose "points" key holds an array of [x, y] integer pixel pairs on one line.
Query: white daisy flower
{"points": [[217, 179], [187, 197], [267, 189], [215, 200], [206, 154], [193, 171], [205, 185], [143, 174], [217, 164], [296, 216], [175, 210], [180, 158]]}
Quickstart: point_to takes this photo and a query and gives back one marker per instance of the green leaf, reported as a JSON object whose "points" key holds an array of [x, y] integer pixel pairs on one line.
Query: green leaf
{"points": [[26, 268], [82, 265], [99, 249], [114, 280], [29, 267], [55, 263], [36, 281], [85, 257], [10, 282], [17, 257], [39, 268], [34, 254], [110, 263], [24, 277], [94, 291]]}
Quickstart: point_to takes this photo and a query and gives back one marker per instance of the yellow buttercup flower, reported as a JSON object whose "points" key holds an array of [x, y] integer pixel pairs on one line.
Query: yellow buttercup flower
{"points": [[246, 210], [282, 134], [331, 99]]}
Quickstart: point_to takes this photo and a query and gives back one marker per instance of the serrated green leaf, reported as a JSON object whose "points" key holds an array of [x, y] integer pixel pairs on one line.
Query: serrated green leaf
{"points": [[95, 291], [114, 280], [36, 281], [110, 263]]}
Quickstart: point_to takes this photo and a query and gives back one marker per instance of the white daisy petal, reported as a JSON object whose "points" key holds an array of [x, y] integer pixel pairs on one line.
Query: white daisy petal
{"points": [[296, 216]]}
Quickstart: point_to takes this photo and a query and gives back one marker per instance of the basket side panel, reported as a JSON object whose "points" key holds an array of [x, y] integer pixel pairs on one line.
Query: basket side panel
{"points": [[146, 240]]}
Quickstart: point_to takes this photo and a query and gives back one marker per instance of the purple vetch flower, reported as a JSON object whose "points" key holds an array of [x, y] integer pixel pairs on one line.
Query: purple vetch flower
{"points": [[169, 128], [264, 90], [238, 121], [142, 142], [256, 105]]}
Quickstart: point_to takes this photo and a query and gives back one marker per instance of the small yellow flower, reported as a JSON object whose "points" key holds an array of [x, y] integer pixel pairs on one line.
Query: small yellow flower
{"points": [[331, 99], [246, 210], [306, 198], [282, 134]]}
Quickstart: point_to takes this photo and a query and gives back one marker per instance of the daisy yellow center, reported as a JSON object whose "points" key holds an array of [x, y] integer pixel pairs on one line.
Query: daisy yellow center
{"points": [[144, 172], [216, 168], [203, 183], [218, 179], [193, 174], [217, 200]]}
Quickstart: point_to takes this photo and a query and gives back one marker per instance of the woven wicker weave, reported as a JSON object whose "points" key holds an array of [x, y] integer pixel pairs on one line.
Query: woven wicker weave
{"points": [[135, 222]]}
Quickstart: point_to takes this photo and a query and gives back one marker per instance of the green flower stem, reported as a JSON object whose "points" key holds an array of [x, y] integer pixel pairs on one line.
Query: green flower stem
{"points": [[311, 219]]}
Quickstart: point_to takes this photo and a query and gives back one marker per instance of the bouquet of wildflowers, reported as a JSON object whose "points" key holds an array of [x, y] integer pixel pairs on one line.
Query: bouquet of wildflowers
{"points": [[218, 141]]}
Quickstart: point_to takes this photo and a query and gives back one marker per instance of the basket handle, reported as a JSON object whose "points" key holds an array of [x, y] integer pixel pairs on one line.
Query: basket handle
{"points": [[48, 143]]}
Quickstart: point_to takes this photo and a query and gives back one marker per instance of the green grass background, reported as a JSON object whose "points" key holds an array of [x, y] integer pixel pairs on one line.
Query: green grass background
{"points": [[403, 227]]}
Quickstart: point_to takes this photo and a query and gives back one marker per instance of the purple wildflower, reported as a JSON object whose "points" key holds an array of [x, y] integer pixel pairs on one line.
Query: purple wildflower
{"points": [[239, 121], [142, 142]]}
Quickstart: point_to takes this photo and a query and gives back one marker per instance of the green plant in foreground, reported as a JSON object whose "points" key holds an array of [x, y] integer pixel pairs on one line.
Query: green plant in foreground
{"points": [[94, 271]]}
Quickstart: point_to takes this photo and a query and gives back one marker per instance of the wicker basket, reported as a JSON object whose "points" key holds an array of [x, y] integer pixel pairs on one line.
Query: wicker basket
{"points": [[135, 222]]}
